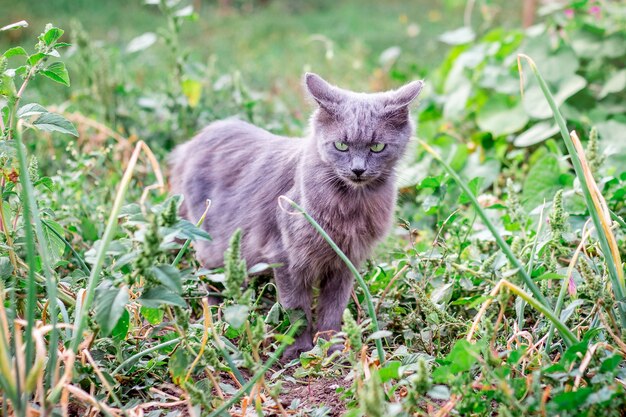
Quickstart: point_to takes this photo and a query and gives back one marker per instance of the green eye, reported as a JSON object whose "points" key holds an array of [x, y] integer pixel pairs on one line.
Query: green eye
{"points": [[377, 147], [341, 146]]}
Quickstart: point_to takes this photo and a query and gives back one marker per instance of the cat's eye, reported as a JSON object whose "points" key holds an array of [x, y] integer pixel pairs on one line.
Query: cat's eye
{"points": [[341, 146], [377, 147]]}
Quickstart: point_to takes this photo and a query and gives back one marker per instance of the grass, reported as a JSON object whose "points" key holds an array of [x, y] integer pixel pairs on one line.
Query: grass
{"points": [[437, 324]]}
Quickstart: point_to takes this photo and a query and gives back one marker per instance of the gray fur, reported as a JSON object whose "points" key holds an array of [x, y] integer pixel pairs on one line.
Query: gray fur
{"points": [[243, 170]]}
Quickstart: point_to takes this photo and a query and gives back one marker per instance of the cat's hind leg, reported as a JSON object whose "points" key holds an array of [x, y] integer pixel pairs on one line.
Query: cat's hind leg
{"points": [[295, 292]]}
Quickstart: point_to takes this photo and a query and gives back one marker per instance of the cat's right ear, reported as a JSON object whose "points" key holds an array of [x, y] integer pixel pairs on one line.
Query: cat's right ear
{"points": [[327, 96]]}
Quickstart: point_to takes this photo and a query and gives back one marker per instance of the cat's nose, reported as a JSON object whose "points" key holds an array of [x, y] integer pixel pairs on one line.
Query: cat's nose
{"points": [[358, 172]]}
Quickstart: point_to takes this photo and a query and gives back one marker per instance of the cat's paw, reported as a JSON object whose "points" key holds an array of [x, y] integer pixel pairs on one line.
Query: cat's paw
{"points": [[293, 352]]}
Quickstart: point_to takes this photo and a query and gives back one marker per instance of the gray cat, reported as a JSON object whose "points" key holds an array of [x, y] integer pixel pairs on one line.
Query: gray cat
{"points": [[342, 174]]}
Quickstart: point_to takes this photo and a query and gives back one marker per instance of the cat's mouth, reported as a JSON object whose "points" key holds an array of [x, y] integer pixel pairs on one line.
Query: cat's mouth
{"points": [[358, 181]]}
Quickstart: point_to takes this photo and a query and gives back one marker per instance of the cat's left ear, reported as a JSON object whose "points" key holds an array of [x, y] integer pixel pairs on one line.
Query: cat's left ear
{"points": [[397, 102], [404, 95]]}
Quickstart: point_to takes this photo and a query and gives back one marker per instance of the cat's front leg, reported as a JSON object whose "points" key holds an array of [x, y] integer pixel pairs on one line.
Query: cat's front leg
{"points": [[335, 289], [295, 292]]}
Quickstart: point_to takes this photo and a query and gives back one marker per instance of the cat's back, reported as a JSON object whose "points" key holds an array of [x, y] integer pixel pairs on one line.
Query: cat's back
{"points": [[242, 169]]}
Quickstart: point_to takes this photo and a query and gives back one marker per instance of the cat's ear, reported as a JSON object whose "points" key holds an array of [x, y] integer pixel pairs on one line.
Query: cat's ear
{"points": [[404, 95], [397, 103], [327, 96]]}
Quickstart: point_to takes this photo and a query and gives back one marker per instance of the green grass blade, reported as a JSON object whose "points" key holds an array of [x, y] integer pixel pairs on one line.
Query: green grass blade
{"points": [[368, 297], [31, 213]]}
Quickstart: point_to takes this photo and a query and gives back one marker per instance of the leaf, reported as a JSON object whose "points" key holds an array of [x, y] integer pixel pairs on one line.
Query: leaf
{"points": [[120, 330], [16, 25], [35, 58], [390, 371], [192, 89], [184, 12], [191, 231], [56, 246], [157, 296], [30, 109], [536, 134], [273, 316], [542, 181], [153, 315], [52, 122], [260, 267], [178, 363], [569, 310], [236, 315], [109, 306], [18, 50], [57, 72], [501, 118], [462, 356], [615, 84], [6, 269], [141, 42], [458, 36], [168, 276], [381, 334], [52, 35], [439, 392]]}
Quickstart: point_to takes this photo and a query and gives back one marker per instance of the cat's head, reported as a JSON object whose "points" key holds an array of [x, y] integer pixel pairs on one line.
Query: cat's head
{"points": [[361, 136]]}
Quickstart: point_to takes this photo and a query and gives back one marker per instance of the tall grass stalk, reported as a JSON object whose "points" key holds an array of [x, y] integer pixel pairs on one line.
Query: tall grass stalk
{"points": [[368, 297], [94, 276], [31, 214], [595, 202]]}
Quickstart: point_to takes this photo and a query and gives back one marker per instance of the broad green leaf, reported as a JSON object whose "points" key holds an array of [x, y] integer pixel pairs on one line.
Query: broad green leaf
{"points": [[56, 246], [120, 330], [52, 122], [52, 35], [501, 117], [16, 25], [35, 58], [57, 72], [30, 109], [178, 365], [236, 315], [155, 297], [536, 134], [18, 50], [153, 315], [168, 276], [542, 181], [462, 356], [390, 371], [141, 42], [110, 304]]}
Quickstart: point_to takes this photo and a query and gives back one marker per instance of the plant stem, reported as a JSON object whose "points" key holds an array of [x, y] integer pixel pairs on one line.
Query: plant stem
{"points": [[368, 297]]}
